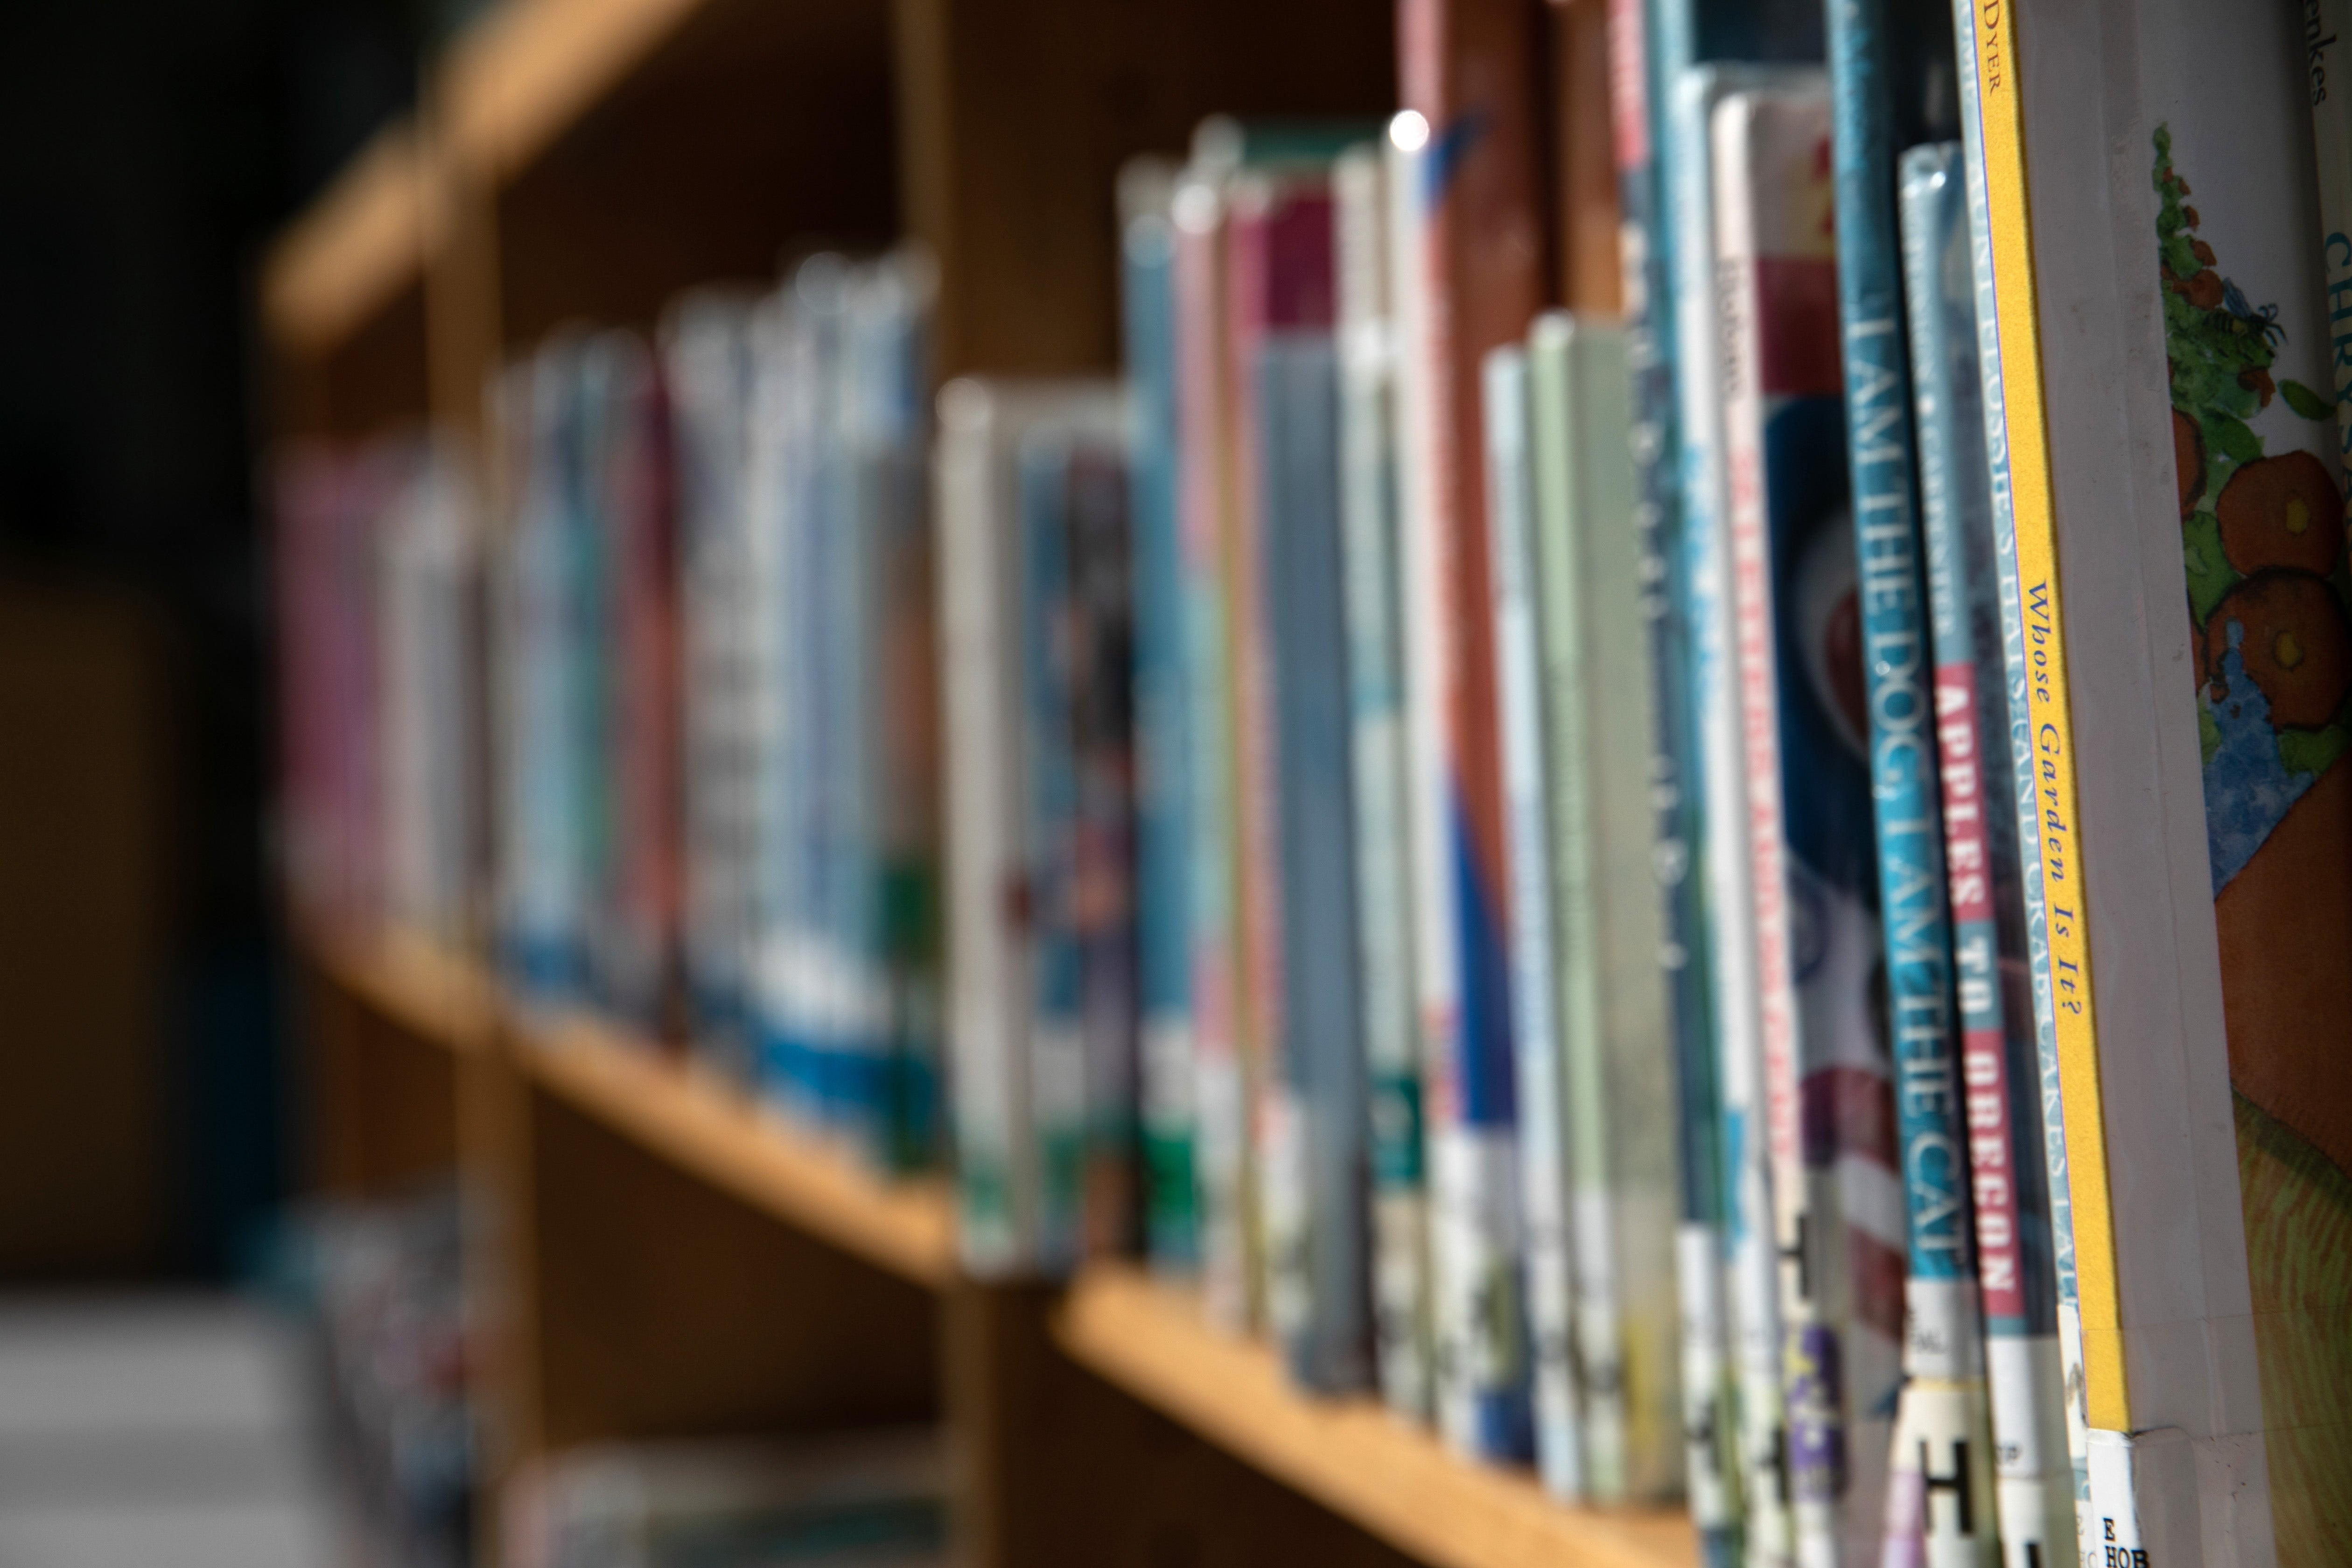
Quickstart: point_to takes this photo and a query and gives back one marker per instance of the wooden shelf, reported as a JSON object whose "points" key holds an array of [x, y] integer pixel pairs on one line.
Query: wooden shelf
{"points": [[356, 249], [701, 1126], [1349, 1454], [431, 993]]}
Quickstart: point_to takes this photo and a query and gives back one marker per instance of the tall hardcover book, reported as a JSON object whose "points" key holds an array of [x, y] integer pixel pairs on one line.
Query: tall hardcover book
{"points": [[1015, 967], [707, 356], [1539, 990], [2000, 1067], [1222, 1150], [1638, 76], [1277, 276], [637, 472], [1827, 1093], [1074, 499], [1164, 833], [1362, 190], [1477, 266], [886, 430], [2182, 763], [1314, 1117], [1622, 1099]]}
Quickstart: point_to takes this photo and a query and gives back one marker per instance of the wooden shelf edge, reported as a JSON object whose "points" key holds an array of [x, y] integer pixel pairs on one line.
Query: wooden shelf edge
{"points": [[432, 994], [706, 1127], [352, 250], [1351, 1454], [532, 69]]}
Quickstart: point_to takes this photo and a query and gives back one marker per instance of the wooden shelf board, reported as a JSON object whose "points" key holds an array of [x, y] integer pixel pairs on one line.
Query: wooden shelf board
{"points": [[353, 250], [532, 68], [430, 992], [1351, 1454], [700, 1125]]}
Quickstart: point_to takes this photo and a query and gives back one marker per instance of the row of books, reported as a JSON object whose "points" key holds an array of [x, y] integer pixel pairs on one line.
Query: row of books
{"points": [[1549, 857], [1607, 795]]}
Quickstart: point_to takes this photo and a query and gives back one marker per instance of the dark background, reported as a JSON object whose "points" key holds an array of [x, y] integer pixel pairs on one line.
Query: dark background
{"points": [[149, 149]]}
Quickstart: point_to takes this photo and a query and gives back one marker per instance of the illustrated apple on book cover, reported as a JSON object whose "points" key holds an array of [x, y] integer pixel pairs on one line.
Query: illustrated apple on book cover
{"points": [[2246, 327]]}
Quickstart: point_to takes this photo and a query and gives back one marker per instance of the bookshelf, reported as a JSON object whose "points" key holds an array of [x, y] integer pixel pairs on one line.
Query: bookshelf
{"points": [[662, 1258]]}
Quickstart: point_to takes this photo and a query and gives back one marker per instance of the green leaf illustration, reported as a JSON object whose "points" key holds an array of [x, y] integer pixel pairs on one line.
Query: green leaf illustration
{"points": [[2304, 401]]}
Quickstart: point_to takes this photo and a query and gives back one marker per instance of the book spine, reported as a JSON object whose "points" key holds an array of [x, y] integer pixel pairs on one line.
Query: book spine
{"points": [[1940, 1505], [1099, 899], [707, 343], [1827, 1097], [1050, 678], [1536, 996], [1252, 222], [893, 309], [2000, 1075], [1751, 1266], [1164, 843], [1222, 1152], [1368, 515], [1623, 1100], [980, 611], [1464, 69], [1639, 132], [1991, 131], [1317, 1106]]}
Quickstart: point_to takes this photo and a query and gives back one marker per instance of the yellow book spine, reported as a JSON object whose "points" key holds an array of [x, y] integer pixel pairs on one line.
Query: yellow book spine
{"points": [[1994, 27]]}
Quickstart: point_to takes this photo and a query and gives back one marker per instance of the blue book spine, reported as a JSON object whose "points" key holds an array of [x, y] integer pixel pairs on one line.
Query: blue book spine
{"points": [[1164, 847], [1318, 1287], [2001, 1078], [1941, 1428], [1640, 66]]}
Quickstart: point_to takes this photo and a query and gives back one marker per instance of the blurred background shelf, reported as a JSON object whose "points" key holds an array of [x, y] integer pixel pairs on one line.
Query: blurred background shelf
{"points": [[710, 1130], [1351, 1454]]}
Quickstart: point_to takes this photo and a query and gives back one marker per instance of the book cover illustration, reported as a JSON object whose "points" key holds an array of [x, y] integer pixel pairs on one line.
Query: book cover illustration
{"points": [[1827, 1073], [2000, 1066], [2261, 503]]}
